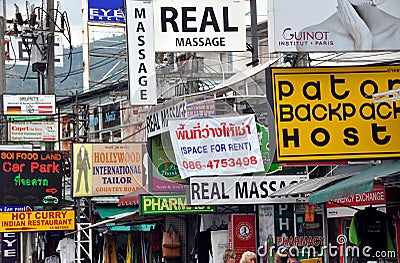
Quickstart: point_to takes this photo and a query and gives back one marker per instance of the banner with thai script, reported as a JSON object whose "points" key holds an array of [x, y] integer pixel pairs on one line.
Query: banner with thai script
{"points": [[216, 146], [107, 169], [30, 178]]}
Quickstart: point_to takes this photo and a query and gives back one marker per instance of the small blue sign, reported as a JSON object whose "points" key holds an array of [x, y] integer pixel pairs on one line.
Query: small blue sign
{"points": [[20, 208], [111, 11]]}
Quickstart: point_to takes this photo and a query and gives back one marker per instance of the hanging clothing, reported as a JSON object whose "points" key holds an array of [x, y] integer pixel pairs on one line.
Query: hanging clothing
{"points": [[203, 244], [52, 259], [369, 227], [66, 247], [129, 249], [110, 250]]}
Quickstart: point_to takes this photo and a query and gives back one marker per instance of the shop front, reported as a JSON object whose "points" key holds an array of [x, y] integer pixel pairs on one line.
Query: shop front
{"points": [[362, 213]]}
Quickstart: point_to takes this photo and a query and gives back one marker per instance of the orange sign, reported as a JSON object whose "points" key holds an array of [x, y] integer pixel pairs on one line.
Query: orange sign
{"points": [[309, 215], [37, 221]]}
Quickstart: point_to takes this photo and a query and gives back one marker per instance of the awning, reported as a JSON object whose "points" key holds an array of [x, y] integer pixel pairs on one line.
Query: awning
{"points": [[113, 211], [309, 186], [113, 215], [133, 197], [359, 183], [125, 218]]}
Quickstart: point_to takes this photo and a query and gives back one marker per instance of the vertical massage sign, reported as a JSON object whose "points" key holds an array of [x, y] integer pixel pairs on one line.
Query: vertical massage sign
{"points": [[177, 26]]}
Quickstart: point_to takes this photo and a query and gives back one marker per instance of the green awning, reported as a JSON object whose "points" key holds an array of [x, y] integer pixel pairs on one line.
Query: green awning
{"points": [[141, 227], [356, 184], [111, 211]]}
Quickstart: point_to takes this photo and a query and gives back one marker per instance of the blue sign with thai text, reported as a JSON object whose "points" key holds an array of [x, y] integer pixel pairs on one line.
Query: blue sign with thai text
{"points": [[106, 11], [19, 208]]}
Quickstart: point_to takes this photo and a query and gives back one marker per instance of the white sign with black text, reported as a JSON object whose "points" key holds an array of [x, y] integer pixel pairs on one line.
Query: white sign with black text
{"points": [[207, 25], [141, 54], [31, 131], [216, 146], [157, 121], [231, 190]]}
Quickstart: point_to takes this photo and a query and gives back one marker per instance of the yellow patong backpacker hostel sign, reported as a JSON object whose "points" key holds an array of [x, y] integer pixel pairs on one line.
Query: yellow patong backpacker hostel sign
{"points": [[328, 113]]}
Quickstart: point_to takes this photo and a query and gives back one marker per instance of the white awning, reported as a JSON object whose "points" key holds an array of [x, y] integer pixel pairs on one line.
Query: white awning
{"points": [[309, 186]]}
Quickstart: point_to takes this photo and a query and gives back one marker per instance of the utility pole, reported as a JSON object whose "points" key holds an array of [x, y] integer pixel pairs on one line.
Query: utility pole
{"points": [[50, 83], [2, 54], [2, 77], [254, 32]]}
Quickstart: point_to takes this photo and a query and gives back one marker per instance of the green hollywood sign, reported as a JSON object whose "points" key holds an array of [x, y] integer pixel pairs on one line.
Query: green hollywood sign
{"points": [[170, 204]]}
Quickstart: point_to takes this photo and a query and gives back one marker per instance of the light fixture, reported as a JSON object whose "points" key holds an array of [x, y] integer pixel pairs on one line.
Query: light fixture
{"points": [[32, 18], [18, 16]]}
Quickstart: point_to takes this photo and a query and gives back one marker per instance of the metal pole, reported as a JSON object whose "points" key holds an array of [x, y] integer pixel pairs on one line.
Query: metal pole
{"points": [[5, 12], [3, 135], [85, 48], [254, 31], [2, 60], [50, 50]]}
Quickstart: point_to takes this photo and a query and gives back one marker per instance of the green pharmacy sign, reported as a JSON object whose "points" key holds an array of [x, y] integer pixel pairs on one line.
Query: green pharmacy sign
{"points": [[170, 204]]}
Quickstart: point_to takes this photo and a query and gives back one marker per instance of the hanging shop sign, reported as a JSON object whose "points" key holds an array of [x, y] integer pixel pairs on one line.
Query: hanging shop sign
{"points": [[349, 205], [224, 190], [29, 104], [30, 178], [165, 173], [42, 131], [328, 113], [106, 11], [242, 233], [184, 26], [216, 146], [157, 121], [111, 115], [9, 247], [107, 169], [170, 204], [49, 220], [263, 137], [20, 208], [200, 107], [318, 26], [141, 53], [18, 50]]}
